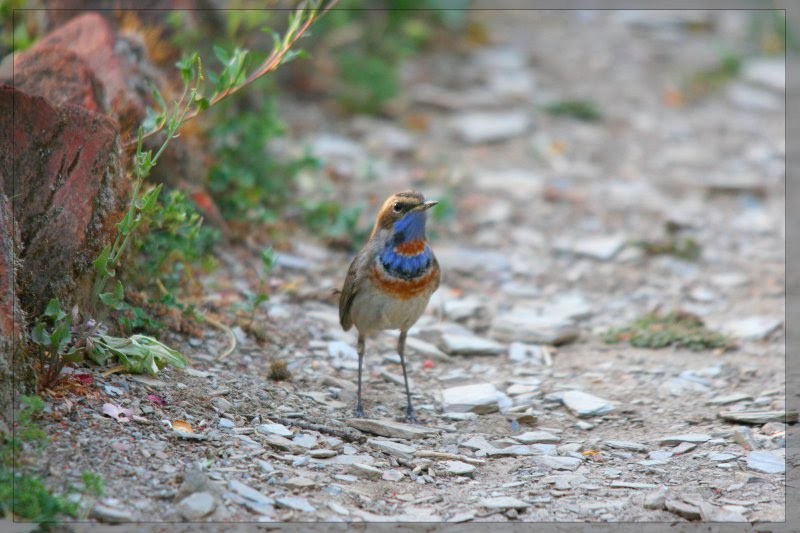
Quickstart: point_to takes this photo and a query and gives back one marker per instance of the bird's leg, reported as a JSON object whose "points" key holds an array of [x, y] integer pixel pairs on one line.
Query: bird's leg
{"points": [[359, 412], [401, 348]]}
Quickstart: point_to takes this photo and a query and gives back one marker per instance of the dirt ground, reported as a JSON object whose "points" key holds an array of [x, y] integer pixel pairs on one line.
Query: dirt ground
{"points": [[539, 246]]}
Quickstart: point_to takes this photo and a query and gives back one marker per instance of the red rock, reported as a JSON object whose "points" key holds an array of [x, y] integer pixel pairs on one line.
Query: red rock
{"points": [[92, 39], [12, 324], [61, 77], [68, 189]]}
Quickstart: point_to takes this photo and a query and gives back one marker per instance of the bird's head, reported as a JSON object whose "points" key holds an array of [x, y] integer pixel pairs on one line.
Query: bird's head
{"points": [[403, 215]]}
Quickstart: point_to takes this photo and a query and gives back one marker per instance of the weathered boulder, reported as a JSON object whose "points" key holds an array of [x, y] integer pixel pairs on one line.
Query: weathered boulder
{"points": [[64, 175]]}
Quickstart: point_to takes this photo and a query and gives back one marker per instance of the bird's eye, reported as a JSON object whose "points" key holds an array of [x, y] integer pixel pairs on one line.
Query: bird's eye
{"points": [[397, 207]]}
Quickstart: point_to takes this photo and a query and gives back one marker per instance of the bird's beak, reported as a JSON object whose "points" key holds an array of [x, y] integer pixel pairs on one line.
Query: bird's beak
{"points": [[427, 205]]}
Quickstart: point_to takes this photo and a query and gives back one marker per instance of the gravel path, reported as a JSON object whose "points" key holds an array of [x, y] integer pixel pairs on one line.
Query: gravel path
{"points": [[527, 414]]}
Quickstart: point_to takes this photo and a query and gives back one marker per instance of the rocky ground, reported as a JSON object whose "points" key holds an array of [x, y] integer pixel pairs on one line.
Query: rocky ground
{"points": [[527, 414]]}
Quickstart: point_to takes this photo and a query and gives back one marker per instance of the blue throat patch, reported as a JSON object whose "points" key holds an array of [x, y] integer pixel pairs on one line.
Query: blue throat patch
{"points": [[409, 228]]}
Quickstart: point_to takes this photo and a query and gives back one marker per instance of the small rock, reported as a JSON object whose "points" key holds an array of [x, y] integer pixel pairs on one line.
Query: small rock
{"points": [[338, 508], [729, 398], [759, 417], [684, 447], [392, 475], [469, 345], [767, 72], [305, 440], [365, 471], [769, 462], [275, 429], [390, 428], [342, 350], [521, 352], [224, 423], [720, 457], [533, 437], [299, 482], [602, 248], [712, 513], [754, 327], [656, 499], [584, 405], [110, 515], [485, 127], [265, 466], [249, 493], [393, 448], [460, 416], [696, 438], [322, 454], [751, 99], [480, 398], [459, 468], [197, 505], [686, 510], [626, 445], [584, 425], [503, 502], [531, 326], [558, 462], [661, 455], [465, 516], [295, 502]]}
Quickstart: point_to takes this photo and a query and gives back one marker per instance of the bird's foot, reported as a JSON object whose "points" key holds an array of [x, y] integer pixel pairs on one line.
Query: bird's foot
{"points": [[358, 412], [411, 416]]}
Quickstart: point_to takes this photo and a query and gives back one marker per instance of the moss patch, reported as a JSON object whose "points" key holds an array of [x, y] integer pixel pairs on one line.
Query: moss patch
{"points": [[678, 328]]}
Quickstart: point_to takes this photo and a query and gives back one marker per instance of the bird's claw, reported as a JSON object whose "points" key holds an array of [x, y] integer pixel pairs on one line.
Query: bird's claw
{"points": [[358, 412], [411, 417]]}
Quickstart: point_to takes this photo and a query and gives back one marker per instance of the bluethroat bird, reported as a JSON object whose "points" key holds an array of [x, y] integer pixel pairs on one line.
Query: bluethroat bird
{"points": [[391, 279]]}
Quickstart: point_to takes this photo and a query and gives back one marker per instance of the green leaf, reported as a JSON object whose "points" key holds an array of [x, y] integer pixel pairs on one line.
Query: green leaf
{"points": [[222, 54], [39, 335], [53, 310], [101, 263]]}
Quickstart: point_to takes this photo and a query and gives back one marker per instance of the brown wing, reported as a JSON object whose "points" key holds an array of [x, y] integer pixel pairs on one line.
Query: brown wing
{"points": [[348, 293]]}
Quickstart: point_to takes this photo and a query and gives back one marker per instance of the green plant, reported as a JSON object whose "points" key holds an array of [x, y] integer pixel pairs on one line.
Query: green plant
{"points": [[15, 34], [248, 183], [23, 494], [683, 247], [658, 330], [138, 354], [52, 345], [93, 483], [577, 109], [334, 223], [706, 81]]}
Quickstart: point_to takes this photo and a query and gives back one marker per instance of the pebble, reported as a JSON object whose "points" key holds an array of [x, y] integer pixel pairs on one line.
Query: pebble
{"points": [[110, 515], [683, 448], [626, 445], [696, 438], [768, 72], [197, 505], [720, 456], [487, 127], [460, 416], [464, 516], [425, 349], [338, 508], [275, 429], [392, 475], [753, 328], [395, 449], [530, 326], [224, 423], [759, 417], [656, 499], [469, 345], [322, 453], [534, 437], [295, 502], [729, 398], [299, 482], [459, 468], [365, 471], [686, 510], [249, 493], [265, 466], [558, 462], [584, 405], [503, 502], [769, 462], [751, 99], [602, 248], [390, 428], [480, 398], [305, 440], [712, 513], [630, 485], [521, 352]]}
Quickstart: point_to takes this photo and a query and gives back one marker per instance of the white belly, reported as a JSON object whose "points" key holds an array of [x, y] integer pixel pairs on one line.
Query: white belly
{"points": [[373, 311]]}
